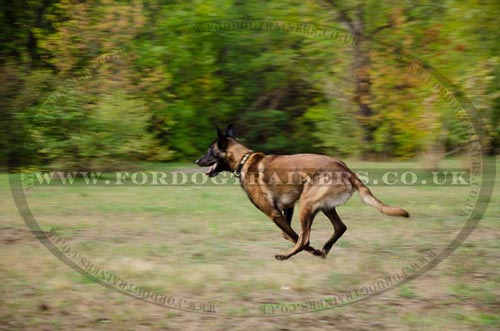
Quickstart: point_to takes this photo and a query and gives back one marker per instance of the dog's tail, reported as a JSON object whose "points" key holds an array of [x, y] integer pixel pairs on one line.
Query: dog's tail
{"points": [[368, 198]]}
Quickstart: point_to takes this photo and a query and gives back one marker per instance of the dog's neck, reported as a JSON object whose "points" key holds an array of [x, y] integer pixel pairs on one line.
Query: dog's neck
{"points": [[235, 153]]}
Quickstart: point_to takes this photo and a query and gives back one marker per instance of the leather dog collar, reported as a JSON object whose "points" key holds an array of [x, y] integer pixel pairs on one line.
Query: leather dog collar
{"points": [[237, 172]]}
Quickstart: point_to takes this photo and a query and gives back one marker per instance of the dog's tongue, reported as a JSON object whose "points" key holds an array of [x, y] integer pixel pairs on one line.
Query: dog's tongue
{"points": [[211, 169]]}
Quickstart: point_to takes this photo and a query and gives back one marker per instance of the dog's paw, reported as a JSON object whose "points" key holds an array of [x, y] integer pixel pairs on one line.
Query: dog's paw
{"points": [[280, 257], [324, 253], [319, 253]]}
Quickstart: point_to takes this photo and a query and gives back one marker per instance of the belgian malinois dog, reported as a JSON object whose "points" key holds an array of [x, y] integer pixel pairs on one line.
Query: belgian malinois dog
{"points": [[274, 183]]}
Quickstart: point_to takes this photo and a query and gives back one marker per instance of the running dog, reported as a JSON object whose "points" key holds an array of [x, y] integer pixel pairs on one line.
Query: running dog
{"points": [[274, 183]]}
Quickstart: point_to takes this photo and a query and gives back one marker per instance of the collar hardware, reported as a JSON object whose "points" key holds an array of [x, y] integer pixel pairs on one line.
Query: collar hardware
{"points": [[237, 172]]}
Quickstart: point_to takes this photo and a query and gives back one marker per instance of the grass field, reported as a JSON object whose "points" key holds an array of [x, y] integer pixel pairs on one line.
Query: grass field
{"points": [[210, 244]]}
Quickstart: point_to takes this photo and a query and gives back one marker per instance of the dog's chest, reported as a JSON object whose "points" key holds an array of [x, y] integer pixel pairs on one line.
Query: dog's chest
{"points": [[285, 200]]}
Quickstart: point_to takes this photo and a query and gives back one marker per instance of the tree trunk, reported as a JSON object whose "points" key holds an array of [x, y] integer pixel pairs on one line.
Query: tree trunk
{"points": [[355, 24], [361, 69], [362, 91]]}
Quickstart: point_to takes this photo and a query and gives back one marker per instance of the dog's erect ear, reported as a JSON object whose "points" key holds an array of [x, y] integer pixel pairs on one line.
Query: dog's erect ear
{"points": [[221, 139], [230, 131], [219, 133]]}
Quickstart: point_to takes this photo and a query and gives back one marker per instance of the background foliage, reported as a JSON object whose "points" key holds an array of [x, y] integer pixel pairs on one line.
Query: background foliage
{"points": [[90, 83]]}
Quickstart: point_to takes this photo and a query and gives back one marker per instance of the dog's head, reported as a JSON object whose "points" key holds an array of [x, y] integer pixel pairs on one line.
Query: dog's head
{"points": [[216, 157]]}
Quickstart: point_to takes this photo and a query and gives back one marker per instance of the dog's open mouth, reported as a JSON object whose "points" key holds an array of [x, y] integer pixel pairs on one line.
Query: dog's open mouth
{"points": [[212, 171]]}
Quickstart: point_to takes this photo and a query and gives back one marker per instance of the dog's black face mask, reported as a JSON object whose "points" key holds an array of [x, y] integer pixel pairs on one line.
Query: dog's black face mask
{"points": [[216, 154]]}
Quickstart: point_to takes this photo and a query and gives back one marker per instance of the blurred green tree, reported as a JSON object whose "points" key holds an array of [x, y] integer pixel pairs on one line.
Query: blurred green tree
{"points": [[94, 82]]}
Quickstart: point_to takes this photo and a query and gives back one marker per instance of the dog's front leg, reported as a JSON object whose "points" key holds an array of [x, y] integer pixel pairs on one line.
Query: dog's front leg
{"points": [[302, 242], [288, 213], [283, 222]]}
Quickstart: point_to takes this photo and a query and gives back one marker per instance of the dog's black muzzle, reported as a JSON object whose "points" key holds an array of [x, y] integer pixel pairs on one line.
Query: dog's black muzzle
{"points": [[209, 161]]}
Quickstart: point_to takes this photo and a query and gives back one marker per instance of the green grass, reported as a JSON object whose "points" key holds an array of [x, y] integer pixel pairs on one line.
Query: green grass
{"points": [[211, 244], [407, 292]]}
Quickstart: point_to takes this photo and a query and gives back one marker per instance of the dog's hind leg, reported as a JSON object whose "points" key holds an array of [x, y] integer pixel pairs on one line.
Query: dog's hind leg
{"points": [[339, 229]]}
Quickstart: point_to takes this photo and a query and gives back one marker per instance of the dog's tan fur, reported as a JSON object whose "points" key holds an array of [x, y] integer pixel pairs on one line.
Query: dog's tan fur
{"points": [[267, 181]]}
